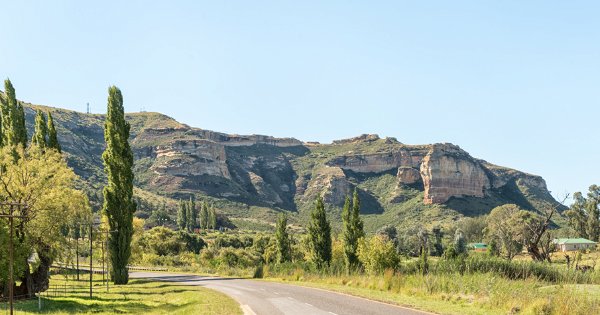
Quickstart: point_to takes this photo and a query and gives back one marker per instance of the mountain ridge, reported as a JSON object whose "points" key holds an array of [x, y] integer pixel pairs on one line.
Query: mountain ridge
{"points": [[257, 176]]}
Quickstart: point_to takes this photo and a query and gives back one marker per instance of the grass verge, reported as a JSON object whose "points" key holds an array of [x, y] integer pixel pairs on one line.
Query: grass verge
{"points": [[138, 297]]}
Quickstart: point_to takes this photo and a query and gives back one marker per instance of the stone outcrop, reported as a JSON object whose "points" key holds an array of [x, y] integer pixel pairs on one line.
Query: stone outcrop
{"points": [[191, 158], [448, 171], [408, 175], [331, 183], [379, 162]]}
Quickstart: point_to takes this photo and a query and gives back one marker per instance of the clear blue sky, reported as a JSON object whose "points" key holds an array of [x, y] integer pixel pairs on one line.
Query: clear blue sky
{"points": [[516, 83]]}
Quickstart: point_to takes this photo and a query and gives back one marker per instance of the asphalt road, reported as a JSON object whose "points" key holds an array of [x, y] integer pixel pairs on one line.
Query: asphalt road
{"points": [[270, 298]]}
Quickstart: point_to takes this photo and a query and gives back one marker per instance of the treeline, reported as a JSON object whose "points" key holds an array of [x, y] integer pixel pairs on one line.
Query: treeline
{"points": [[192, 217], [584, 214]]}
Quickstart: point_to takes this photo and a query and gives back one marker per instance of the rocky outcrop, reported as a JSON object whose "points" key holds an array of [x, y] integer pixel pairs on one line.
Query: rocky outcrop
{"points": [[379, 162], [448, 171], [362, 138], [408, 175], [331, 183], [191, 158]]}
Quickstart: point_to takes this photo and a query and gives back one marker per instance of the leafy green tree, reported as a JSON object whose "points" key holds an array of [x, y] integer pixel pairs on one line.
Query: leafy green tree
{"points": [[52, 136], [437, 247], [319, 232], [578, 216], [593, 223], [40, 134], [504, 227], [159, 215], [282, 238], [118, 193], [352, 231], [377, 254], [460, 244], [47, 185], [182, 216]]}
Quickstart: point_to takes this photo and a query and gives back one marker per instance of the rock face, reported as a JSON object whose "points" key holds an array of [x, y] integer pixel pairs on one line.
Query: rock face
{"points": [[408, 175], [448, 171], [331, 183], [197, 157], [379, 162]]}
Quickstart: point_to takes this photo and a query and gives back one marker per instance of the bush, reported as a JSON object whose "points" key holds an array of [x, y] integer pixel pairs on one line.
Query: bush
{"points": [[377, 254]]}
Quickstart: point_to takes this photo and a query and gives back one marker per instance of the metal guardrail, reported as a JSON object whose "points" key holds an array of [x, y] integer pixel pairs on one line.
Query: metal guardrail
{"points": [[86, 268]]}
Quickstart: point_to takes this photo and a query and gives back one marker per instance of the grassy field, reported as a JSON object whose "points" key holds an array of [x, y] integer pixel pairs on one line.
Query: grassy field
{"points": [[462, 294], [138, 297]]}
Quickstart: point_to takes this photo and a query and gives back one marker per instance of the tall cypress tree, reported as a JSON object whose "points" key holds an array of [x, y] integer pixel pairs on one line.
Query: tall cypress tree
{"points": [[319, 232], [118, 194], [282, 239], [9, 116], [212, 218], [182, 216], [2, 106], [39, 135], [20, 126], [52, 137], [192, 215], [353, 230], [204, 216]]}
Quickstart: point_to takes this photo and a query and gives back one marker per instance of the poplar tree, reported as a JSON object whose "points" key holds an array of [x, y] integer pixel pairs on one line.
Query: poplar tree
{"points": [[52, 137], [282, 239], [39, 135], [192, 215], [353, 230], [9, 114], [212, 218], [204, 216], [2, 102], [118, 193], [182, 216], [20, 126], [319, 233]]}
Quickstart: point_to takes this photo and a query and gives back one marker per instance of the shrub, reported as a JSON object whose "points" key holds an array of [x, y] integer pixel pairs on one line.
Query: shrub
{"points": [[377, 254]]}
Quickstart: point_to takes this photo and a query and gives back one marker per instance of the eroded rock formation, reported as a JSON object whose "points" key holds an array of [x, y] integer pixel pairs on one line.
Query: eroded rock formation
{"points": [[449, 171]]}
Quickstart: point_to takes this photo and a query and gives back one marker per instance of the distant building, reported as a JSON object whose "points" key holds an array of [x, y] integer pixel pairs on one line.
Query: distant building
{"points": [[571, 244], [478, 247]]}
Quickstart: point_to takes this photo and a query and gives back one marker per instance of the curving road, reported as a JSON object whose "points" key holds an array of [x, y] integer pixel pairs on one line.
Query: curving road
{"points": [[269, 298]]}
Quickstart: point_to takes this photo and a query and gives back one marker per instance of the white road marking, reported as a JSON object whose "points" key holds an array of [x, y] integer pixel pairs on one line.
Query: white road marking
{"points": [[247, 310], [308, 304], [332, 313]]}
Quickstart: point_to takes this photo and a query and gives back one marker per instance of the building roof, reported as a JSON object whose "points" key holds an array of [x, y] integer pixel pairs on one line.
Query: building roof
{"points": [[561, 241], [477, 245]]}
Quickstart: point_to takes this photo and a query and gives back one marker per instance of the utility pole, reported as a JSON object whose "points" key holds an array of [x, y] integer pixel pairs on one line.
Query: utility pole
{"points": [[91, 259], [88, 108], [11, 217]]}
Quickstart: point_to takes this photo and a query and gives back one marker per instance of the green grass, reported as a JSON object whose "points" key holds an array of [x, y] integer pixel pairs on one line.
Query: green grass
{"points": [[460, 294], [138, 297]]}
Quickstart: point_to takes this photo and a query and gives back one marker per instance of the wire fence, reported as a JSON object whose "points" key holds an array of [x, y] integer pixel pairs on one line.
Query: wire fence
{"points": [[63, 284]]}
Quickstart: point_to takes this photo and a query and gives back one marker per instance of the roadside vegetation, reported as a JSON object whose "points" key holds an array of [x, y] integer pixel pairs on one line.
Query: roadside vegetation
{"points": [[434, 269]]}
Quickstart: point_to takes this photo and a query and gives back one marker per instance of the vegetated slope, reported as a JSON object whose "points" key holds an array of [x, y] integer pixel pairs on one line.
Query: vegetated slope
{"points": [[252, 178]]}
